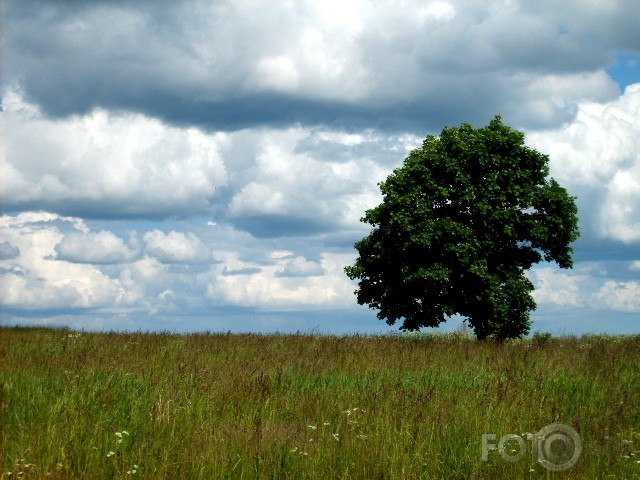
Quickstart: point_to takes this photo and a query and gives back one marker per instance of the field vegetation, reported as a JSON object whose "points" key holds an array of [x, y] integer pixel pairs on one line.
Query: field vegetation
{"points": [[216, 406]]}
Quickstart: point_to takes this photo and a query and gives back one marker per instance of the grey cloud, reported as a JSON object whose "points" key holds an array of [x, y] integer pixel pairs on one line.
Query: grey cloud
{"points": [[309, 109], [12, 270], [240, 271], [589, 248], [600, 25], [273, 226], [8, 251], [200, 64]]}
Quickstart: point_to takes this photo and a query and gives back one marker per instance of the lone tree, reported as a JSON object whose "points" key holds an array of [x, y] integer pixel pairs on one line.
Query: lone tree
{"points": [[460, 223]]}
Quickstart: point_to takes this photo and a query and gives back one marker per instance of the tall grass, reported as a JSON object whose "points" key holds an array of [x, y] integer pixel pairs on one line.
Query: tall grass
{"points": [[158, 405]]}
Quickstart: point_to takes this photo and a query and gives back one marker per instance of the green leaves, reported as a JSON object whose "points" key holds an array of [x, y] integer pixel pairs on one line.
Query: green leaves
{"points": [[460, 222]]}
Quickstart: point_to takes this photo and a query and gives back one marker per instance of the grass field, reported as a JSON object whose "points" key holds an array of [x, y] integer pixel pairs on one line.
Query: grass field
{"points": [[140, 405]]}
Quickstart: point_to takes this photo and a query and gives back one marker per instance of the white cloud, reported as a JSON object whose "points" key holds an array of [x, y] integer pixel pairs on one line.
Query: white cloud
{"points": [[553, 99], [258, 199], [62, 264], [620, 296], [300, 267], [597, 157], [268, 288], [290, 179], [100, 247], [39, 281], [440, 11], [112, 163], [588, 286], [281, 254], [277, 73], [558, 288], [75, 145], [176, 247], [620, 215]]}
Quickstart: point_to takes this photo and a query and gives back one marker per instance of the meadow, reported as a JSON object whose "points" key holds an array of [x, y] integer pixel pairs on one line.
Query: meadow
{"points": [[248, 406]]}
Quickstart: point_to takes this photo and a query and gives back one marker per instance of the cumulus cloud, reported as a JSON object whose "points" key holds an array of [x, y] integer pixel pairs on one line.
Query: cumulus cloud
{"points": [[309, 285], [42, 282], [300, 267], [107, 164], [91, 247], [269, 182], [293, 190], [620, 296], [241, 160], [559, 288], [597, 156], [588, 286], [63, 264], [176, 247]]}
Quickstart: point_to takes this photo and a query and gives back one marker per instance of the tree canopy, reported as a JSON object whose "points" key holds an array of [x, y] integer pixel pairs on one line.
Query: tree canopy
{"points": [[460, 223]]}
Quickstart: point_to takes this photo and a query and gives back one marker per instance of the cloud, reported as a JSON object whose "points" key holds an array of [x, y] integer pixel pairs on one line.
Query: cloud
{"points": [[107, 164], [394, 65], [285, 284], [8, 251], [167, 162], [64, 264], [39, 281], [277, 73], [296, 188], [100, 247], [620, 296], [176, 247], [597, 157], [559, 288], [267, 181], [620, 217], [241, 271], [439, 11], [300, 267], [589, 286]]}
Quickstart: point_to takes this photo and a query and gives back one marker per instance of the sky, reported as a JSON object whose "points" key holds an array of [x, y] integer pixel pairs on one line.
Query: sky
{"points": [[203, 165]]}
